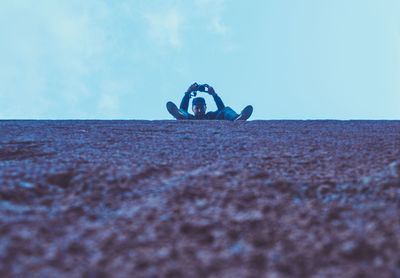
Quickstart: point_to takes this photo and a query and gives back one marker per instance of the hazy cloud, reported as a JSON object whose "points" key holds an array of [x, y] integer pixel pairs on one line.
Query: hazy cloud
{"points": [[109, 105], [50, 53], [165, 27], [218, 26], [126, 58], [213, 10]]}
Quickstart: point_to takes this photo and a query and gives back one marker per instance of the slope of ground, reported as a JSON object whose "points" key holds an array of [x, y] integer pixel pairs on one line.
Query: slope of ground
{"points": [[206, 198]]}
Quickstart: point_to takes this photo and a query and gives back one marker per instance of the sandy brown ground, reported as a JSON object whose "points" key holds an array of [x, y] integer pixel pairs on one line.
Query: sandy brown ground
{"points": [[199, 199]]}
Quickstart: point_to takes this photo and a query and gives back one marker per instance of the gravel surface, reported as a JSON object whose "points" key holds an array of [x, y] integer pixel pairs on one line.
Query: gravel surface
{"points": [[199, 199]]}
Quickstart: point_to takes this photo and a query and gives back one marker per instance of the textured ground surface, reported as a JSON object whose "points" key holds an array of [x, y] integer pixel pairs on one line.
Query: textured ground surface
{"points": [[180, 199]]}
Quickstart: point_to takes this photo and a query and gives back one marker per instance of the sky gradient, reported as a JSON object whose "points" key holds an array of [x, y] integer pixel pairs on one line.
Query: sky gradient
{"points": [[97, 59]]}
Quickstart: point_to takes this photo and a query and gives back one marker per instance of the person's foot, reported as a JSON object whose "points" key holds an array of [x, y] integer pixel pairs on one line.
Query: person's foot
{"points": [[245, 114], [174, 111]]}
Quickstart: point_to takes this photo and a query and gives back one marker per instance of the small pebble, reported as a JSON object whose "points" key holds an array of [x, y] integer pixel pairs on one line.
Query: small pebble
{"points": [[26, 184]]}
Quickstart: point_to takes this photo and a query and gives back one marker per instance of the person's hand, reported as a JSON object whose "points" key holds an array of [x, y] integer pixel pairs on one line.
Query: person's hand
{"points": [[192, 88], [210, 90]]}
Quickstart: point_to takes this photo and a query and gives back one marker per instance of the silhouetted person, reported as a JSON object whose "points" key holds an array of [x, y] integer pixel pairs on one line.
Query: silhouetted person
{"points": [[199, 107]]}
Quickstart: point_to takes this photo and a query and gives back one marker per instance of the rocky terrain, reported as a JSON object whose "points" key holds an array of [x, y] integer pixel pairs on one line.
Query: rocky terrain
{"points": [[199, 199]]}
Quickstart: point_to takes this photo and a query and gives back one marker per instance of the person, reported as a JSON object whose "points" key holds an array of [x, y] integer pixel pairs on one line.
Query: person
{"points": [[199, 107]]}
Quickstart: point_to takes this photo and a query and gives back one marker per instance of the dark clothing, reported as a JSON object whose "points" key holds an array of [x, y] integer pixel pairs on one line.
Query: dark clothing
{"points": [[225, 114], [212, 115]]}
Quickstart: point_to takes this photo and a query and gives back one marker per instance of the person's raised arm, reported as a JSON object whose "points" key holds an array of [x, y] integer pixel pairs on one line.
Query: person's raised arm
{"points": [[186, 98], [217, 99]]}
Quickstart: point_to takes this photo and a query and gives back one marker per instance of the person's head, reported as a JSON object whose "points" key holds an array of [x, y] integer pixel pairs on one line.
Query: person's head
{"points": [[199, 107]]}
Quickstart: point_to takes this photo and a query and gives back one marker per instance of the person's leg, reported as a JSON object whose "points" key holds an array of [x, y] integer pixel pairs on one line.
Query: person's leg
{"points": [[176, 112], [245, 114], [227, 114], [185, 114]]}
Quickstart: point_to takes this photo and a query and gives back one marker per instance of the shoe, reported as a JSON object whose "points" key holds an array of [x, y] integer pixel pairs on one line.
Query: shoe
{"points": [[245, 114], [174, 111]]}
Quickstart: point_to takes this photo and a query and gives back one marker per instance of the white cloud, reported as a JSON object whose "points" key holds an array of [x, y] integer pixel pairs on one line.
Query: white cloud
{"points": [[51, 53], [74, 59], [165, 27], [217, 26], [210, 5], [213, 10], [108, 105]]}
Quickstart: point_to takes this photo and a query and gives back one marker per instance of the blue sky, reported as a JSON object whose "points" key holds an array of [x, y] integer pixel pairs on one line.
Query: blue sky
{"points": [[291, 59]]}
